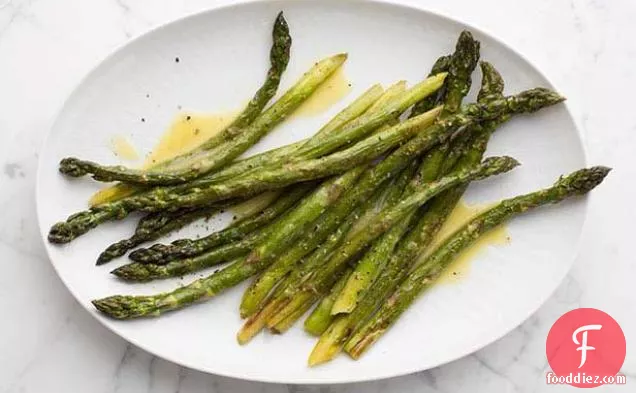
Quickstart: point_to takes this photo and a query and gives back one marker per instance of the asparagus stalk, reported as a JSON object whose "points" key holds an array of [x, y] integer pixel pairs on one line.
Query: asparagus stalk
{"points": [[184, 248], [423, 277], [319, 281], [279, 58], [127, 307], [209, 160], [266, 244]]}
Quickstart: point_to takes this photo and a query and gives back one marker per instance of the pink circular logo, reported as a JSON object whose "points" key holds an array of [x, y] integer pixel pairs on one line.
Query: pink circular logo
{"points": [[585, 347]]}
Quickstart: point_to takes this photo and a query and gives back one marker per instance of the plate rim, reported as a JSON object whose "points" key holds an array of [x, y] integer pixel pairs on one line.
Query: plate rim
{"points": [[228, 4]]}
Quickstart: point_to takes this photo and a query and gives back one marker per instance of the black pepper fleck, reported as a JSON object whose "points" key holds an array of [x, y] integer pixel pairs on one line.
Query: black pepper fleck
{"points": [[188, 118], [176, 60], [143, 120]]}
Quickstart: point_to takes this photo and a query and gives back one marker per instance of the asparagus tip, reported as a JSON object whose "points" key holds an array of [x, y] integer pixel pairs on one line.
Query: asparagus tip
{"points": [[132, 272], [71, 166], [60, 233], [496, 165], [584, 180]]}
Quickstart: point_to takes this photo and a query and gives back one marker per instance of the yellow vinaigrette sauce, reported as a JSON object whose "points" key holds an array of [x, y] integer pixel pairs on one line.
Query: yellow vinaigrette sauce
{"points": [[186, 132], [461, 266]]}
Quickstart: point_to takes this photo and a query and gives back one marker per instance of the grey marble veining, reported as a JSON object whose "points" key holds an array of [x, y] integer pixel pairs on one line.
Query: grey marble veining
{"points": [[48, 343]]}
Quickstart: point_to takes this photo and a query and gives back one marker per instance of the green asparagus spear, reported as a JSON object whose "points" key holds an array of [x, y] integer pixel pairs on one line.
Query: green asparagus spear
{"points": [[318, 281], [461, 66], [423, 277], [320, 319], [187, 248], [127, 307], [266, 244], [209, 160], [183, 248]]}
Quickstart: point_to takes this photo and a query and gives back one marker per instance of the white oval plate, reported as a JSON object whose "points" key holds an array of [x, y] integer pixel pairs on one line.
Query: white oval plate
{"points": [[223, 56]]}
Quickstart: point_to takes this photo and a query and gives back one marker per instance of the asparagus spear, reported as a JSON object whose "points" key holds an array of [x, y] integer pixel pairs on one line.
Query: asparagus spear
{"points": [[279, 58], [162, 254], [209, 160], [363, 273], [425, 274], [320, 280], [127, 307], [308, 287], [183, 248], [393, 214]]}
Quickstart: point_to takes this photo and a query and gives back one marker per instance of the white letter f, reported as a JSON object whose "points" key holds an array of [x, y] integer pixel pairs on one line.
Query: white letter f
{"points": [[584, 347]]}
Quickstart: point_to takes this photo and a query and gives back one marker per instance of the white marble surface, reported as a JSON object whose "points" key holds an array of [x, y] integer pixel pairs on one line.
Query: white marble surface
{"points": [[48, 343]]}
